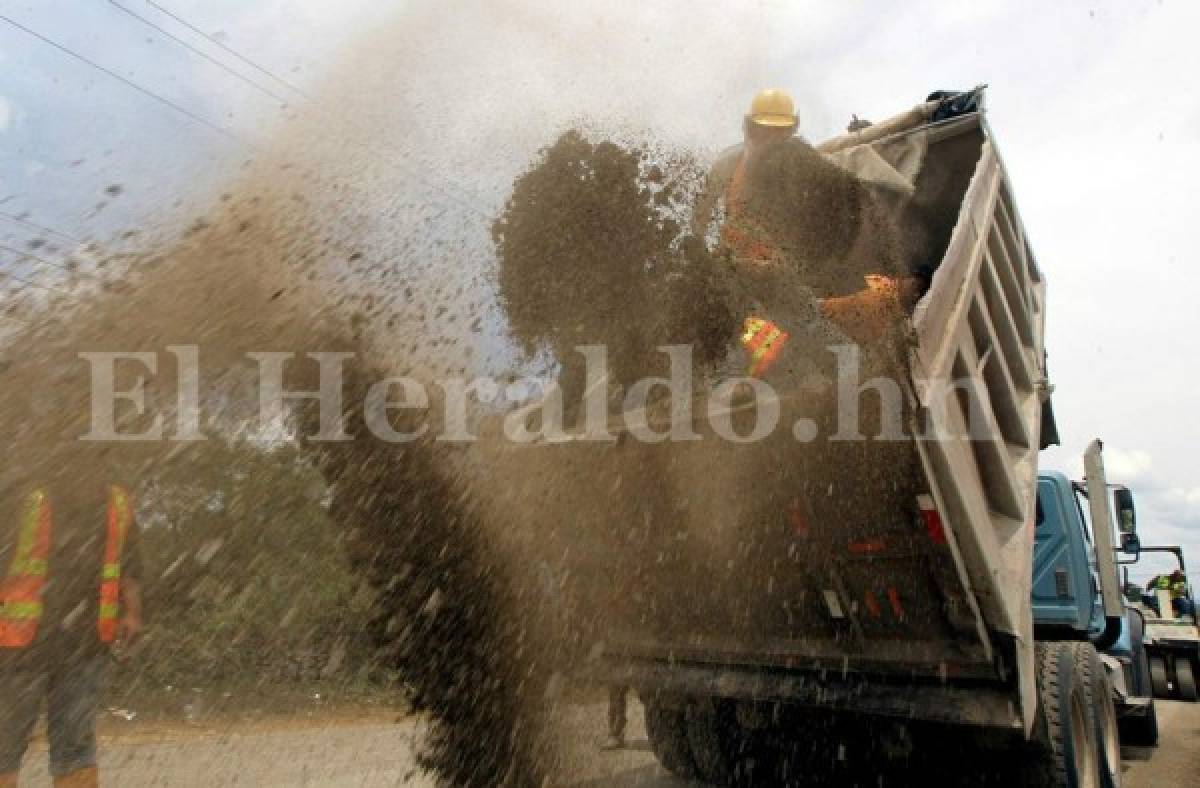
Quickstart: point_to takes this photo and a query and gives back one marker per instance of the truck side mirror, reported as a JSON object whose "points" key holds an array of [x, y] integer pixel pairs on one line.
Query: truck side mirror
{"points": [[1126, 520]]}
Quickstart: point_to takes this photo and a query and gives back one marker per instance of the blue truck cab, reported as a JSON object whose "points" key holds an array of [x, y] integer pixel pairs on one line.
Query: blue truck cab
{"points": [[1066, 596], [1067, 600]]}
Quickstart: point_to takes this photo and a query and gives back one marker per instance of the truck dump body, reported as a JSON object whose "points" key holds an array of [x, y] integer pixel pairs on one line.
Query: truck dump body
{"points": [[761, 569]]}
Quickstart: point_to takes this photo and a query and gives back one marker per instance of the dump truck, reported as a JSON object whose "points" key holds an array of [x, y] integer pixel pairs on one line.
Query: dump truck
{"points": [[923, 611]]}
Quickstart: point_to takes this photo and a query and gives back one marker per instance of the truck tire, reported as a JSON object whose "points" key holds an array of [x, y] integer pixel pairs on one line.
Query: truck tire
{"points": [[1141, 731], [1185, 678], [666, 728], [1069, 731], [1138, 654], [1099, 695], [717, 741], [1158, 677]]}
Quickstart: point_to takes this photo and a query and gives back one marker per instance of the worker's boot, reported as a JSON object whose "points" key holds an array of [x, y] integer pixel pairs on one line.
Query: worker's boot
{"points": [[80, 778]]}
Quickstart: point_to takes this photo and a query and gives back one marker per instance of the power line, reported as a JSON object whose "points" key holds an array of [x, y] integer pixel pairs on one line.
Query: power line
{"points": [[23, 253], [144, 91], [456, 194], [14, 277], [466, 200], [230, 50], [20, 320], [197, 51], [36, 226]]}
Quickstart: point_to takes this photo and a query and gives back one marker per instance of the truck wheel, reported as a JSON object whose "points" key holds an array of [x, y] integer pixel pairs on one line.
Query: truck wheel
{"points": [[1158, 677], [717, 742], [1185, 678], [1141, 731], [1099, 696], [1141, 661], [666, 728], [1072, 740]]}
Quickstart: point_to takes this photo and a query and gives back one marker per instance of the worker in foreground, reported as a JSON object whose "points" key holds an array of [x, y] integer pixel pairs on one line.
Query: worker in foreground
{"points": [[71, 589]]}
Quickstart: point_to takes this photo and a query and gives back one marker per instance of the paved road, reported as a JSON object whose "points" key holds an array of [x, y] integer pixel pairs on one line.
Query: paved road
{"points": [[375, 753]]}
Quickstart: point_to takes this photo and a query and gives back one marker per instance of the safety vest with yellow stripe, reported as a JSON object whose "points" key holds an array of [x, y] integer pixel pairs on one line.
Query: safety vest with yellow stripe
{"points": [[740, 232], [864, 315], [22, 588], [762, 339], [763, 342]]}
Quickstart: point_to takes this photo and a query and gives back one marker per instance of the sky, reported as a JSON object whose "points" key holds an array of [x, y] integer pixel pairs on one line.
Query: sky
{"points": [[1092, 104]]}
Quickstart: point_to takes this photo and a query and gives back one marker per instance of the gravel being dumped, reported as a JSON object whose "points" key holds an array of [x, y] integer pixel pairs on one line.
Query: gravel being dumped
{"points": [[657, 543], [500, 571], [293, 259], [592, 251]]}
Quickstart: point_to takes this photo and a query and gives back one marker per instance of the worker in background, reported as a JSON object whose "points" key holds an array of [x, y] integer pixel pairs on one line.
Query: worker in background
{"points": [[617, 704], [1180, 601], [1150, 598], [71, 588], [1176, 585]]}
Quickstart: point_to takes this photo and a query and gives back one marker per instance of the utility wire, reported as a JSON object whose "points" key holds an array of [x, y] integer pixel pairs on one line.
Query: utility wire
{"points": [[199, 52], [15, 278], [144, 91], [230, 50], [43, 260], [466, 201], [36, 226], [458, 194]]}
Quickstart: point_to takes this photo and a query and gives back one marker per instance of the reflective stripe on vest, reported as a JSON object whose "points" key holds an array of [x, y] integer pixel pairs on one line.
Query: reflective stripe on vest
{"points": [[764, 342], [744, 236], [119, 517], [22, 587]]}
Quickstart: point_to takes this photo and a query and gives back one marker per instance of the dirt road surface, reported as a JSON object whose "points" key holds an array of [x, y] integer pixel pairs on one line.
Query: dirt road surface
{"points": [[1176, 760], [378, 753], [363, 754]]}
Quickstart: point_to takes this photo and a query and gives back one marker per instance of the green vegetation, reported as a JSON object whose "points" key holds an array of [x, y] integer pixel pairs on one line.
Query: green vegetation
{"points": [[248, 590]]}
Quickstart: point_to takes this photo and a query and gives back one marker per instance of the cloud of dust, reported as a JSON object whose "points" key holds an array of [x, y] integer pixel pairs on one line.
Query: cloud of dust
{"points": [[367, 226]]}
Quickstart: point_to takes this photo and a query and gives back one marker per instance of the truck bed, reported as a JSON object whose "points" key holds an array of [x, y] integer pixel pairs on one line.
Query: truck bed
{"points": [[766, 569]]}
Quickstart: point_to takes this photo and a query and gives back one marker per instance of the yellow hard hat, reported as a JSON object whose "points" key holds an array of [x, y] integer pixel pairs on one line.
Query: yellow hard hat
{"points": [[772, 108]]}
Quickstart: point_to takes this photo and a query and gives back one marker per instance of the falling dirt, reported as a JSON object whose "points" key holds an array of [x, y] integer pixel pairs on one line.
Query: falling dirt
{"points": [[591, 252], [501, 571], [486, 599]]}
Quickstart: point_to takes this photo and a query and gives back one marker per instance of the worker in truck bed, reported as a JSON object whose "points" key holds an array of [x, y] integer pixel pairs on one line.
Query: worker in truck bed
{"points": [[781, 203], [818, 275]]}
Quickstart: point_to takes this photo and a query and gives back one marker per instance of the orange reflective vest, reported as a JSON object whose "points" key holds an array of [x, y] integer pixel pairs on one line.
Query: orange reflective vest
{"points": [[763, 341], [746, 238], [22, 588]]}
